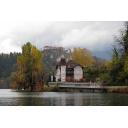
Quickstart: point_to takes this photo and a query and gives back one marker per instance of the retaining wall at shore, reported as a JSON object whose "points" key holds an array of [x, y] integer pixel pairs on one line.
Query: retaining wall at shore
{"points": [[88, 87]]}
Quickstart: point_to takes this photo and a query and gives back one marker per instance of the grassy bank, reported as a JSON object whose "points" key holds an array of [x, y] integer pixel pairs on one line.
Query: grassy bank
{"points": [[117, 89], [50, 88]]}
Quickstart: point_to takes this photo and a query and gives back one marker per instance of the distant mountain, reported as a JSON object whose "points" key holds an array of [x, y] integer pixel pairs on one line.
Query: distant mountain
{"points": [[52, 54]]}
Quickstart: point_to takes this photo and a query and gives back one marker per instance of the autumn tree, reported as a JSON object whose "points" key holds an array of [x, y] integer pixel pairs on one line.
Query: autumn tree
{"points": [[82, 56], [29, 67]]}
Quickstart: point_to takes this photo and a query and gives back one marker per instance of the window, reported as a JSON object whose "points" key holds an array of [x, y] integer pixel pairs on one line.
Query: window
{"points": [[69, 71]]}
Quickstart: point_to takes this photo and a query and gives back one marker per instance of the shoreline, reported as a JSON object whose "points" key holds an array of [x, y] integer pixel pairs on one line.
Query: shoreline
{"points": [[109, 89]]}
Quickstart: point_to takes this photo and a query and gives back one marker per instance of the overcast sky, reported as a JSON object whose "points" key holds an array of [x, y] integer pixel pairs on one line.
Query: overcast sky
{"points": [[92, 35]]}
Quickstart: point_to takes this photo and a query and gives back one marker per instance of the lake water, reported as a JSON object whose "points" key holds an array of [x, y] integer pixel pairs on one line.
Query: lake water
{"points": [[12, 98]]}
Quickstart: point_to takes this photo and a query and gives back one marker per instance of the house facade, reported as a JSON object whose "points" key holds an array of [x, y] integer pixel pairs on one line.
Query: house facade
{"points": [[68, 71]]}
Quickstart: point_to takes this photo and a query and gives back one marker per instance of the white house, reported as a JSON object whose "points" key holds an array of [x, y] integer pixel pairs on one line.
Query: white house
{"points": [[68, 71]]}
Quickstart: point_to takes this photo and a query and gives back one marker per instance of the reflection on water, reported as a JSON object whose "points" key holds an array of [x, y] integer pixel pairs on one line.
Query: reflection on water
{"points": [[8, 97]]}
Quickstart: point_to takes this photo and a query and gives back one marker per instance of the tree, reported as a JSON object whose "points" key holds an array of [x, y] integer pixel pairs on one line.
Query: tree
{"points": [[82, 56], [29, 67], [115, 67], [123, 41], [119, 64]]}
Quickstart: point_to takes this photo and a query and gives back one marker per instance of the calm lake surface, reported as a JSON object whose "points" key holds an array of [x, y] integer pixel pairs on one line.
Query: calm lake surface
{"points": [[12, 98]]}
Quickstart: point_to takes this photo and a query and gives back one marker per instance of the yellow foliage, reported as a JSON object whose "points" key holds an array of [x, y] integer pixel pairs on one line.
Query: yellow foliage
{"points": [[82, 56], [108, 64], [29, 65]]}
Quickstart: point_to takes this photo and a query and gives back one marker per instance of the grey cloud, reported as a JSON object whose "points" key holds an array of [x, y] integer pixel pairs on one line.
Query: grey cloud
{"points": [[92, 35]]}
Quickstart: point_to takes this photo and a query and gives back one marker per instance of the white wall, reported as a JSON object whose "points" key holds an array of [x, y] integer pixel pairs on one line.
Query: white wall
{"points": [[63, 73], [57, 74], [78, 73]]}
